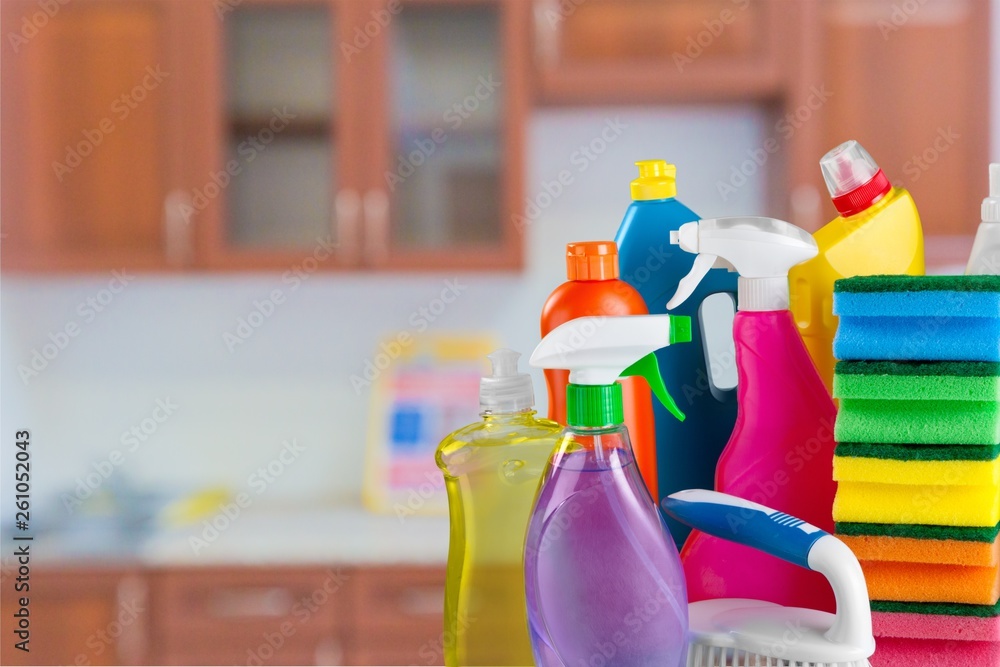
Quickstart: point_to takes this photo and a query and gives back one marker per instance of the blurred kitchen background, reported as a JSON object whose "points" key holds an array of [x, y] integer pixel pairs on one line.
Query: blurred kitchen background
{"points": [[238, 235]]}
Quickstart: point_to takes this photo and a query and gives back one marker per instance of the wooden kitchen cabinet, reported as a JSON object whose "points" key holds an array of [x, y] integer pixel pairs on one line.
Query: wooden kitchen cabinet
{"points": [[80, 617], [90, 134], [285, 134]]}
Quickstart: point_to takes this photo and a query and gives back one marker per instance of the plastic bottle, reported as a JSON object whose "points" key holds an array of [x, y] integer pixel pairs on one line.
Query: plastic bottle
{"points": [[491, 471], [781, 451], [592, 288], [985, 257], [603, 579], [703, 374], [878, 231]]}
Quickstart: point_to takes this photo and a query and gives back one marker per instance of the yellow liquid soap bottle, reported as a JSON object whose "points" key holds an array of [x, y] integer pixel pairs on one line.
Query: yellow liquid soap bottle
{"points": [[492, 470], [878, 232]]}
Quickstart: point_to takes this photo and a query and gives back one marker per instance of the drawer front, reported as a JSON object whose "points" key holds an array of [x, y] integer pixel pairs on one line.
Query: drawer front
{"points": [[400, 616], [248, 612], [322, 651]]}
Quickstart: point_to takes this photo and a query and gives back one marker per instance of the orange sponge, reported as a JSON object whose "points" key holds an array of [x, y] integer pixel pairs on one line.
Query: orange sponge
{"points": [[922, 582], [910, 550]]}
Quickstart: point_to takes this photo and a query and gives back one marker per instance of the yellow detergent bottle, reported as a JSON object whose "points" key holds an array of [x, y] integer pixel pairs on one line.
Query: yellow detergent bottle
{"points": [[492, 470], [878, 231]]}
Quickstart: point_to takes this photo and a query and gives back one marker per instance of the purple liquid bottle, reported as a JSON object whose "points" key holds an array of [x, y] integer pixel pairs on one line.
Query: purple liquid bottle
{"points": [[603, 579]]}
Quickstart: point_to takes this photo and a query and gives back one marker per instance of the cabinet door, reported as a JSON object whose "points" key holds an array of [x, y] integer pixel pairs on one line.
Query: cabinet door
{"points": [[927, 127], [621, 51], [79, 617], [88, 140], [280, 190], [445, 117]]}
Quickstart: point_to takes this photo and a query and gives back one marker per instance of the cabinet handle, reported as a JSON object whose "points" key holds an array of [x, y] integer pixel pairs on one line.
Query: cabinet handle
{"points": [[251, 602], [328, 652], [422, 601], [132, 603], [376, 209], [547, 31], [347, 223], [177, 245]]}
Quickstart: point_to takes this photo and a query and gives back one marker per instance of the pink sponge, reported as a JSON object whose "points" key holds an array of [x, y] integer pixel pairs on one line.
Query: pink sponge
{"points": [[935, 626], [893, 652]]}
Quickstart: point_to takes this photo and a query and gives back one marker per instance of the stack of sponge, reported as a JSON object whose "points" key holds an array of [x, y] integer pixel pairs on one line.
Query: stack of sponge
{"points": [[918, 461]]}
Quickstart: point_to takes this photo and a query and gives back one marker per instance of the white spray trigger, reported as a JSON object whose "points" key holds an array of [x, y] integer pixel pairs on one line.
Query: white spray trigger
{"points": [[689, 283]]}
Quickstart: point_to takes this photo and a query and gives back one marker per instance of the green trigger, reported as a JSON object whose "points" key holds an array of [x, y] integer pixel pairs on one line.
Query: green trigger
{"points": [[649, 369]]}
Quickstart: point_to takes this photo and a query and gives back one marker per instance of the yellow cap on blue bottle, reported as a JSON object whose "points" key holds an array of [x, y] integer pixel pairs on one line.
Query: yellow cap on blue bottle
{"points": [[657, 180]]}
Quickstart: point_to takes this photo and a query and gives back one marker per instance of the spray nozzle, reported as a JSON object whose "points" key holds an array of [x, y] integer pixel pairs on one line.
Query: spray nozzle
{"points": [[991, 205], [505, 390], [598, 350], [761, 250]]}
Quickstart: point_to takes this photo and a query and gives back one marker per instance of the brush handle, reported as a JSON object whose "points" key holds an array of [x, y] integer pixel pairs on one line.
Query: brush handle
{"points": [[745, 522], [790, 539]]}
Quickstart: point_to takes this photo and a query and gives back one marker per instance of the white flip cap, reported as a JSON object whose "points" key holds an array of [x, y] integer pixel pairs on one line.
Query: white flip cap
{"points": [[505, 390], [762, 250]]}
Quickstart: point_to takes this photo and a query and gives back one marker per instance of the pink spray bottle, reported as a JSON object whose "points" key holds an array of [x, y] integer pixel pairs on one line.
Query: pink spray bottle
{"points": [[781, 451]]}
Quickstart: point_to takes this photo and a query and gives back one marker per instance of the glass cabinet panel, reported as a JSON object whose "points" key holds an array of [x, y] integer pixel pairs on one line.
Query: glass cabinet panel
{"points": [[447, 97], [281, 124]]}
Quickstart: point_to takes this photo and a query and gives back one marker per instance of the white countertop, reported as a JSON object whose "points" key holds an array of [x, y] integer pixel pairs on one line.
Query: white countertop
{"points": [[349, 535], [345, 535]]}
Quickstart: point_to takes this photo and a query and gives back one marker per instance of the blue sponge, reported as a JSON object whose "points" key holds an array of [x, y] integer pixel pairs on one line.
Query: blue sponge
{"points": [[918, 318]]}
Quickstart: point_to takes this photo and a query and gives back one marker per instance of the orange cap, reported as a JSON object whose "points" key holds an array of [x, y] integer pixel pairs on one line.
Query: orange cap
{"points": [[592, 260]]}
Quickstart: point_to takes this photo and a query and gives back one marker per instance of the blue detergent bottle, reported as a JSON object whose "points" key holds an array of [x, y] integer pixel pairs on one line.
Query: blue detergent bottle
{"points": [[702, 376]]}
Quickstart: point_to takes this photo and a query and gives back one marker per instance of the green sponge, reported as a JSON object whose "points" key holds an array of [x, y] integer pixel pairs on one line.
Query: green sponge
{"points": [[943, 381], [918, 452], [920, 532], [918, 402], [905, 283], [918, 422], [937, 608]]}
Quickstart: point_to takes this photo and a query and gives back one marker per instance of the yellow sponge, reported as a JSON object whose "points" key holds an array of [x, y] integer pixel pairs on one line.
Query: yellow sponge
{"points": [[912, 550], [920, 582], [928, 504], [947, 473]]}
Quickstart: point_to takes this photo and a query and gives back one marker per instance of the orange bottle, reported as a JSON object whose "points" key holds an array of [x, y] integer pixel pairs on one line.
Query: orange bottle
{"points": [[593, 288]]}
